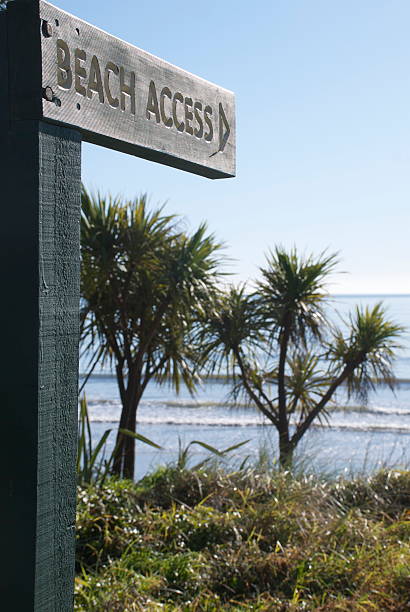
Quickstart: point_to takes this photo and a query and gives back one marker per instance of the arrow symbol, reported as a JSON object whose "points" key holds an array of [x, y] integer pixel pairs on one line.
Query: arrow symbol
{"points": [[224, 130]]}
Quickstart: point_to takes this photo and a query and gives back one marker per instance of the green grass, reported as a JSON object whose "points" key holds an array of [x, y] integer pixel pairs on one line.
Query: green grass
{"points": [[206, 540]]}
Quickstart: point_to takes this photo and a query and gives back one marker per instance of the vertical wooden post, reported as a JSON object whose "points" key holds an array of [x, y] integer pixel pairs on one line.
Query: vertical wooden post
{"points": [[39, 314]]}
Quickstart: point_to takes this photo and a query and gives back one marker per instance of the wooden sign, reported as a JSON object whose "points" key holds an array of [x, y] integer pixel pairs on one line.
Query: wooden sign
{"points": [[123, 98], [64, 81]]}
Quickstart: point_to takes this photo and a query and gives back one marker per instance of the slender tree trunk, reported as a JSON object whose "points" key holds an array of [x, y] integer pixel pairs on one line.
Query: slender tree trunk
{"points": [[286, 449], [117, 468], [129, 443], [118, 456], [284, 341], [124, 459]]}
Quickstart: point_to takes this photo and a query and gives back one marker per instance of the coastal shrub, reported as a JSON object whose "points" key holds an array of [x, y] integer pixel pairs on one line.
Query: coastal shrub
{"points": [[107, 521], [116, 589], [385, 494], [264, 542], [170, 485], [245, 571]]}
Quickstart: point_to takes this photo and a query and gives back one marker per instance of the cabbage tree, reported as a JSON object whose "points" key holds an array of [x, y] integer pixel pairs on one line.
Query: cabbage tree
{"points": [[286, 355], [143, 283]]}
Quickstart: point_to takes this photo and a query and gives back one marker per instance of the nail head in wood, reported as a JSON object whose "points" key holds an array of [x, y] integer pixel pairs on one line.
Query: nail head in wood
{"points": [[48, 94], [47, 29]]}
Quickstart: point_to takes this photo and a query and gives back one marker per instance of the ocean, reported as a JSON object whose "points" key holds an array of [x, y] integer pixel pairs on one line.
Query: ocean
{"points": [[357, 438]]}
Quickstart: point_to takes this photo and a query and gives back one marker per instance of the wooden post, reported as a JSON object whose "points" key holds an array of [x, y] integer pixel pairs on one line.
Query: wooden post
{"points": [[39, 306]]}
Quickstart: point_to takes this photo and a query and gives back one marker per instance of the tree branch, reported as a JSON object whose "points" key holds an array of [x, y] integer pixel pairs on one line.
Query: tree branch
{"points": [[250, 391], [304, 425]]}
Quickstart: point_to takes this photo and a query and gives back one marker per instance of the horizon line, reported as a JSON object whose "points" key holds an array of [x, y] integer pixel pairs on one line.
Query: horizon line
{"points": [[371, 294]]}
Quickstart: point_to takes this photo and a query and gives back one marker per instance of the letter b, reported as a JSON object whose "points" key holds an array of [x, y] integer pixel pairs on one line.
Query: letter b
{"points": [[64, 72]]}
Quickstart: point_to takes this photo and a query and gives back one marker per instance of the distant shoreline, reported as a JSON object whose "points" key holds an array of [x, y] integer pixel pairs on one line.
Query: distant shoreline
{"points": [[217, 378], [371, 295]]}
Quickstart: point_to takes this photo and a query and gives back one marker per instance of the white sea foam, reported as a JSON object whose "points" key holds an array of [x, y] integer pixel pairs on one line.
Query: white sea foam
{"points": [[217, 415], [225, 422]]}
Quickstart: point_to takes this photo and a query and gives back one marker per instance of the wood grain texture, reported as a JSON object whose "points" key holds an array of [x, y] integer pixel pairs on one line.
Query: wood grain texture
{"points": [[127, 99], [39, 248], [59, 287]]}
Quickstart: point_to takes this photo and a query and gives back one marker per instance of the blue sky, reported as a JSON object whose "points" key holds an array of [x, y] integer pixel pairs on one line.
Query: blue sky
{"points": [[323, 128]]}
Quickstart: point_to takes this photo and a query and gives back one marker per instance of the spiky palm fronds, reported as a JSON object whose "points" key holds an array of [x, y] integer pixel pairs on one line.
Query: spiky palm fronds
{"points": [[122, 248], [306, 381], [293, 292], [368, 350], [142, 278], [232, 325]]}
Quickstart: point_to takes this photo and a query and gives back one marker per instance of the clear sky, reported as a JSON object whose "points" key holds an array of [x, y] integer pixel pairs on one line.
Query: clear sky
{"points": [[323, 127]]}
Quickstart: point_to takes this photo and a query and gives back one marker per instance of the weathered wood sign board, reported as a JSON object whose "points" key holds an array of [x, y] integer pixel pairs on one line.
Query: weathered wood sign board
{"points": [[126, 99]]}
